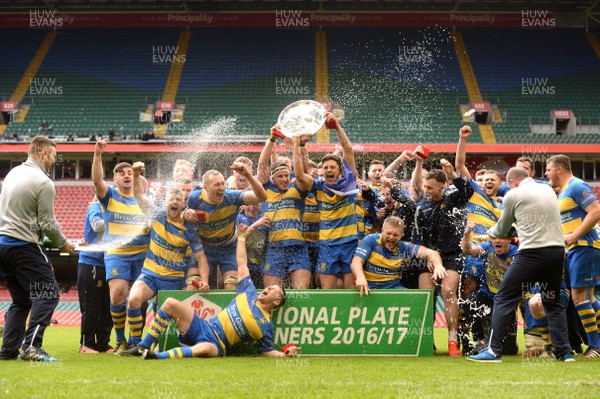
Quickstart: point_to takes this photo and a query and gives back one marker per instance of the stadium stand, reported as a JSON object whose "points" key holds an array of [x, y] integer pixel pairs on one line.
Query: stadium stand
{"points": [[247, 73], [528, 73], [12, 66], [93, 80], [396, 85], [70, 208]]}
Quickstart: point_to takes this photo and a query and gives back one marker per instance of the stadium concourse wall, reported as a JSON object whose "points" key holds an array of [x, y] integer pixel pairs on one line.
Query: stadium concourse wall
{"points": [[162, 146]]}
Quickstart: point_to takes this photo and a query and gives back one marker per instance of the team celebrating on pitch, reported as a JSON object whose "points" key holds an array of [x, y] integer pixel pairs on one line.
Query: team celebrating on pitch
{"points": [[489, 247]]}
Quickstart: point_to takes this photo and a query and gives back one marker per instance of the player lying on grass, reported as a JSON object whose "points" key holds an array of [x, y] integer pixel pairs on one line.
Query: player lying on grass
{"points": [[216, 336]]}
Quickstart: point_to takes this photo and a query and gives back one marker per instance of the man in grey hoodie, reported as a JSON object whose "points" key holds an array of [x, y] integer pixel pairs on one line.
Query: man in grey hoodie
{"points": [[26, 217], [534, 208]]}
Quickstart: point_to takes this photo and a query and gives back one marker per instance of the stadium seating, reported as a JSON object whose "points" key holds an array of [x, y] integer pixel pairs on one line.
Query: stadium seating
{"points": [[13, 64], [98, 79], [392, 99], [70, 208], [529, 72], [250, 74], [107, 77]]}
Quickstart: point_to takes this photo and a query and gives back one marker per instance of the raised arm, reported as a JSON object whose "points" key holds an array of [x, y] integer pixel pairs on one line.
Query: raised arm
{"points": [[258, 193], [332, 123], [464, 189], [461, 151], [266, 156], [416, 181], [98, 170], [304, 180], [138, 189], [406, 155]]}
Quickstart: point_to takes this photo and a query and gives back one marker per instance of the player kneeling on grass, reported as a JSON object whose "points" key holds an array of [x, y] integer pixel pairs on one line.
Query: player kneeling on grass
{"points": [[166, 264], [204, 338], [497, 255], [379, 258]]}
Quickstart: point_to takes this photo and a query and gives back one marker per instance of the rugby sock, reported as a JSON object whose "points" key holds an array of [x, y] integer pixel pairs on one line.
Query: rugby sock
{"points": [[588, 319], [119, 314], [596, 307], [159, 324], [175, 353], [136, 325], [452, 335], [542, 328]]}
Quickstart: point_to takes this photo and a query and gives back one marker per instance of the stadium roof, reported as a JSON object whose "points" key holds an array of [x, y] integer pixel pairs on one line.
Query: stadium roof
{"points": [[588, 6]]}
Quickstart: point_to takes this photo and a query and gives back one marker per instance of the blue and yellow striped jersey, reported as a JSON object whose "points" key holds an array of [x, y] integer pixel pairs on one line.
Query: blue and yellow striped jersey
{"points": [[284, 209], [338, 224], [362, 214], [381, 264], [485, 212], [574, 197], [126, 230], [219, 227], [95, 258], [169, 243], [243, 320], [311, 220], [482, 210], [495, 267]]}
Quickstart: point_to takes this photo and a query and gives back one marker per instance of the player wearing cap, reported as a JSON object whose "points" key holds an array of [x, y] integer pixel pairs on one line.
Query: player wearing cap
{"points": [[497, 256]]}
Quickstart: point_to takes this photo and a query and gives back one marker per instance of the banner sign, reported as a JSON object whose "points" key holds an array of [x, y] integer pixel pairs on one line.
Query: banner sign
{"points": [[8, 106], [480, 106], [333, 322], [165, 105], [53, 19], [562, 114]]}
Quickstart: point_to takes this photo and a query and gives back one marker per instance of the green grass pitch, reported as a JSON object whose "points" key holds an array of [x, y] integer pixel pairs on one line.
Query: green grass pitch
{"points": [[112, 377]]}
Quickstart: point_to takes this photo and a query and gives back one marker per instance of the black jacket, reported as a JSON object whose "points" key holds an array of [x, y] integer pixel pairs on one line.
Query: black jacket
{"points": [[440, 225]]}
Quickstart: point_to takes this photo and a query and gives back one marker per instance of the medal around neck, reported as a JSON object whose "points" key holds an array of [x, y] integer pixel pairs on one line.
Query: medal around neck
{"points": [[304, 116]]}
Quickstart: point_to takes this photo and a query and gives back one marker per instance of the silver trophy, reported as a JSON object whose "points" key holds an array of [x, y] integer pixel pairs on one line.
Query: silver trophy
{"points": [[304, 116]]}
